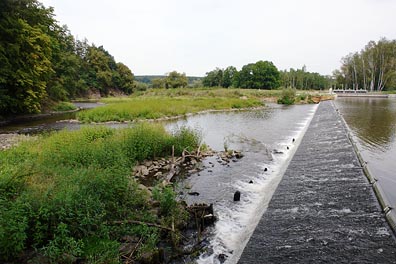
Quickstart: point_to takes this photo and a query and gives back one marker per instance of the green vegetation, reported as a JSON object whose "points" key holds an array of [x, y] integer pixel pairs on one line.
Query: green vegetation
{"points": [[372, 69], [158, 103], [64, 106], [305, 80], [40, 61], [72, 195], [172, 80], [288, 96], [259, 75]]}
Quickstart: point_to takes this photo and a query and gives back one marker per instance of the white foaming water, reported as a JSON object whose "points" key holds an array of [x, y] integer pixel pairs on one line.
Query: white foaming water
{"points": [[237, 222]]}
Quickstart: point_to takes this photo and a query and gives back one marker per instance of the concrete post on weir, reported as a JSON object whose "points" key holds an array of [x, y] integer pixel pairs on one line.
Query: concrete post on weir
{"points": [[324, 210]]}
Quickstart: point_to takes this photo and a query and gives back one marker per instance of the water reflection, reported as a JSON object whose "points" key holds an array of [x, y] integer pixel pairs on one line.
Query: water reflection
{"points": [[373, 123], [372, 119]]}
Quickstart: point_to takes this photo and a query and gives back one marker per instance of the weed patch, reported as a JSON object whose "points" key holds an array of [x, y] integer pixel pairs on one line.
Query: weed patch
{"points": [[66, 193]]}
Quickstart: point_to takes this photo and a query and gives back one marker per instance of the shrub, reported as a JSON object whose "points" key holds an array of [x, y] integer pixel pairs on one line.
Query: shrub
{"points": [[69, 188], [64, 106], [288, 96]]}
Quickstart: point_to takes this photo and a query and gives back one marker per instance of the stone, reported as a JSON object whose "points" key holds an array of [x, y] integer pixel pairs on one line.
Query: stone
{"points": [[144, 171], [237, 196], [193, 193]]}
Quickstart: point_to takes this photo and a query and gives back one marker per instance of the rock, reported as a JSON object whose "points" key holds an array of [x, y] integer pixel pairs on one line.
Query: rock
{"points": [[148, 163], [222, 257], [265, 169], [293, 140], [238, 155], [158, 174], [250, 181], [144, 171], [237, 196], [287, 147], [193, 193]]}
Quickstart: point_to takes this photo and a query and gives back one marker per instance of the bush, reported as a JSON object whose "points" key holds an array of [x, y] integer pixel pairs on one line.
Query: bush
{"points": [[67, 189], [288, 96]]}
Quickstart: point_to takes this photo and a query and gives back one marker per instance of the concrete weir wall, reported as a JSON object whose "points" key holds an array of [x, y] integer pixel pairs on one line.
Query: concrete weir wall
{"points": [[324, 210]]}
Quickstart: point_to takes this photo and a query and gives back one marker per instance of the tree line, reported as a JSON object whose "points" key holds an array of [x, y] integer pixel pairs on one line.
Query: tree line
{"points": [[305, 80], [372, 69], [265, 75], [41, 61]]}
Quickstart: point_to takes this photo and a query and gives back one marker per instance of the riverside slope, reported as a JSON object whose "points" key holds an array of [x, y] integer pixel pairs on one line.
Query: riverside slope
{"points": [[324, 209]]}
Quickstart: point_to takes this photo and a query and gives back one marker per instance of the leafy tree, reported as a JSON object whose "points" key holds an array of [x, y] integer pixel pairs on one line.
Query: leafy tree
{"points": [[213, 78], [259, 75], [373, 68], [228, 76], [123, 78], [41, 60], [176, 80], [302, 79], [25, 56]]}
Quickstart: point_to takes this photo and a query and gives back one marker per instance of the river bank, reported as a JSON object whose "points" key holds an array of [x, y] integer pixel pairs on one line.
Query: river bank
{"points": [[71, 196]]}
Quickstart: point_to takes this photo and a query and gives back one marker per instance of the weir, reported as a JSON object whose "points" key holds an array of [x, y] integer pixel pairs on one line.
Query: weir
{"points": [[324, 209]]}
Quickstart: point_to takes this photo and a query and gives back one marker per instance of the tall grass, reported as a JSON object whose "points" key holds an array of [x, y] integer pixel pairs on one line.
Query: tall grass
{"points": [[125, 109], [61, 194]]}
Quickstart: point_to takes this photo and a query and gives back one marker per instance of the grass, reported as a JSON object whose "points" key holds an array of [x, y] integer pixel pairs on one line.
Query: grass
{"points": [[62, 193], [209, 92], [158, 103], [63, 106]]}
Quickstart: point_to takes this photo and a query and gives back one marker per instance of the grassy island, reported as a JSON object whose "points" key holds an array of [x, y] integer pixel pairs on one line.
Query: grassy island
{"points": [[159, 103]]}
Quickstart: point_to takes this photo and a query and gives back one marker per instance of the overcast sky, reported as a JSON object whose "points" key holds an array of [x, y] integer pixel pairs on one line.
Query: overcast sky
{"points": [[195, 36]]}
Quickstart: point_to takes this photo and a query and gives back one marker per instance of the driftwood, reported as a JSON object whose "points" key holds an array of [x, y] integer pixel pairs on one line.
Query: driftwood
{"points": [[181, 160]]}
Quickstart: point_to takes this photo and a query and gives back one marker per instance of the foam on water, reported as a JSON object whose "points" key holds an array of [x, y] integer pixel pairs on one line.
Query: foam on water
{"points": [[237, 221]]}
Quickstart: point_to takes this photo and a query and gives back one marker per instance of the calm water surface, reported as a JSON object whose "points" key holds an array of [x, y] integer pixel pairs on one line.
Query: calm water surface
{"points": [[373, 125]]}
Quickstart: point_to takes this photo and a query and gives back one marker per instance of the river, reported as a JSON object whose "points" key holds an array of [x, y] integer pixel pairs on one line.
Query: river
{"points": [[372, 122], [268, 139]]}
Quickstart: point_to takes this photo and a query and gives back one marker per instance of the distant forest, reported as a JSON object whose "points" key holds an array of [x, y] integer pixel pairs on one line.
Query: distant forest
{"points": [[42, 63]]}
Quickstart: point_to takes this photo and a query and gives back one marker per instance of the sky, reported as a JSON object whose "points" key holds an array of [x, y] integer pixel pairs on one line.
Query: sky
{"points": [[154, 37]]}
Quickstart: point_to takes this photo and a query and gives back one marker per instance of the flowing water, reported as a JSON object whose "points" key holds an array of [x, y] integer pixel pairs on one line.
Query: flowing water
{"points": [[268, 139], [372, 122], [265, 137]]}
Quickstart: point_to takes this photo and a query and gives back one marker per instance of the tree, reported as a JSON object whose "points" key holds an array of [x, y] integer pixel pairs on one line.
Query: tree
{"points": [[373, 68], [228, 76], [176, 80], [302, 79], [213, 78], [40, 61], [25, 56], [259, 75], [123, 78]]}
